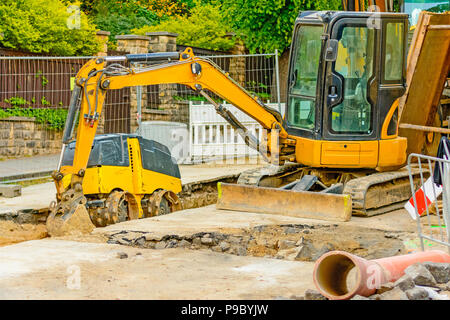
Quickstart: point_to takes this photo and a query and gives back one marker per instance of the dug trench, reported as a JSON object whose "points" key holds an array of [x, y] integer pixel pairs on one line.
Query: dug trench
{"points": [[29, 224], [288, 241], [298, 242]]}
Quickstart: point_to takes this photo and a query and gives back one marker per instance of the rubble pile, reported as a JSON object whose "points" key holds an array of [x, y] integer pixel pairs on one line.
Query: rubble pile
{"points": [[294, 242], [421, 281]]}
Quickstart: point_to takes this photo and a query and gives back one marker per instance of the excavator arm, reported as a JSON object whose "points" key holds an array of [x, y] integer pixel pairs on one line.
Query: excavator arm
{"points": [[100, 75], [202, 75]]}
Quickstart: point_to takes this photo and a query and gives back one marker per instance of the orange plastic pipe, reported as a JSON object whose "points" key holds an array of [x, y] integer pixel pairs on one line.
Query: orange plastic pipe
{"points": [[340, 275]]}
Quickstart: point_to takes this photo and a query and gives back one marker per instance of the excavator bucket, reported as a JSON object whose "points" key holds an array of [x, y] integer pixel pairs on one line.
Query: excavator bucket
{"points": [[75, 220], [302, 204]]}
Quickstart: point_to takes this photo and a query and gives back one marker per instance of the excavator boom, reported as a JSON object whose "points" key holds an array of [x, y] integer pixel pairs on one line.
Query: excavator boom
{"points": [[100, 75]]}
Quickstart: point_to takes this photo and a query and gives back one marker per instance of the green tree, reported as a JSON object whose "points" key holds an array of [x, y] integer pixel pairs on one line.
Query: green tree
{"points": [[266, 25], [46, 26], [121, 17], [204, 28]]}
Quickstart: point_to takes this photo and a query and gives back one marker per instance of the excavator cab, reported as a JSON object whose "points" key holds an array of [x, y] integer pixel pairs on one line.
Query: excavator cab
{"points": [[347, 71]]}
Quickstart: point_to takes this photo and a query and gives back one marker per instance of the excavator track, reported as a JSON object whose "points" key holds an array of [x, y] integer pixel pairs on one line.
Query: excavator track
{"points": [[381, 192], [372, 193]]}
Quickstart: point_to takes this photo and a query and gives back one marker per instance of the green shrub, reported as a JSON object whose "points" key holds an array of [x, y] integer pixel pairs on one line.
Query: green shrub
{"points": [[204, 28], [41, 26], [51, 118], [117, 24], [120, 17]]}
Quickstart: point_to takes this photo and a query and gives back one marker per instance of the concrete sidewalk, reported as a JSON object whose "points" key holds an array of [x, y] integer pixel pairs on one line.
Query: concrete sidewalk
{"points": [[20, 168]]}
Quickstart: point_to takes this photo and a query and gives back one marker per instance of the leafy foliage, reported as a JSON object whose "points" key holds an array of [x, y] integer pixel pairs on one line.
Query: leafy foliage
{"points": [[267, 25], [120, 17], [41, 26], [168, 8], [204, 28], [52, 118]]}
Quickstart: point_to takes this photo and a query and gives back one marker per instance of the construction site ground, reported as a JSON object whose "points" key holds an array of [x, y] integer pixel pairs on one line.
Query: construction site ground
{"points": [[200, 253]]}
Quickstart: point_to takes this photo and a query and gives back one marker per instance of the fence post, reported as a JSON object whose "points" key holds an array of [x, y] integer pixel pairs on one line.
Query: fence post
{"points": [[133, 44], [163, 41], [277, 76], [102, 36], [237, 63]]}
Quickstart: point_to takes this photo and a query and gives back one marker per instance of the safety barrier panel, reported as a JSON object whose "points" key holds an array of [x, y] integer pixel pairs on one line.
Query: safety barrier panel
{"points": [[430, 205]]}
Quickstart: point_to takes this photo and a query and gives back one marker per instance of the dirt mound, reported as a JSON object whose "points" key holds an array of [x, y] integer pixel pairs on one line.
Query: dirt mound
{"points": [[11, 232]]}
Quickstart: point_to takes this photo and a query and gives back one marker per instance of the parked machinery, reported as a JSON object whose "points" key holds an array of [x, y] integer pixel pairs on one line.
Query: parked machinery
{"points": [[340, 129]]}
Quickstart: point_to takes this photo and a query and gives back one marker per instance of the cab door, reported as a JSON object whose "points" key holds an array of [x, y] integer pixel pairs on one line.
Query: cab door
{"points": [[366, 78], [350, 99], [352, 82]]}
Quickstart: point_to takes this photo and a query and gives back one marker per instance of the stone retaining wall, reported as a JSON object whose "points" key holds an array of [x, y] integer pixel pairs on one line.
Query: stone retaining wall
{"points": [[22, 136]]}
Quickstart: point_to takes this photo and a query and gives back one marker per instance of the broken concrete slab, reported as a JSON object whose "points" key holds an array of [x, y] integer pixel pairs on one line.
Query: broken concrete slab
{"points": [[440, 271], [35, 197], [420, 275], [417, 294], [405, 283], [187, 222], [385, 287], [260, 235], [206, 230], [10, 190], [394, 294]]}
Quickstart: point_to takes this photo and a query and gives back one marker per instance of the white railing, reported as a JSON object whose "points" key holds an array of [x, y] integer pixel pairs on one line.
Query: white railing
{"points": [[211, 137]]}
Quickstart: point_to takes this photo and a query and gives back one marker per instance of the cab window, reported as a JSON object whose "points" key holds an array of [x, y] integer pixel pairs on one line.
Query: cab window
{"points": [[303, 77], [355, 64]]}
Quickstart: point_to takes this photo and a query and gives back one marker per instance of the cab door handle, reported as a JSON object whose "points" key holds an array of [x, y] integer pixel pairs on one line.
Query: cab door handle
{"points": [[333, 95]]}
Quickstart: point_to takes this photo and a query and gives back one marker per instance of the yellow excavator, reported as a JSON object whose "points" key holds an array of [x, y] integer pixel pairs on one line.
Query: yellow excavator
{"points": [[339, 134]]}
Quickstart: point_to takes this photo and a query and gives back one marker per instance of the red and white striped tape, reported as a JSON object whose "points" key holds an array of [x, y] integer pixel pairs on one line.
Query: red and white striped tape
{"points": [[424, 197]]}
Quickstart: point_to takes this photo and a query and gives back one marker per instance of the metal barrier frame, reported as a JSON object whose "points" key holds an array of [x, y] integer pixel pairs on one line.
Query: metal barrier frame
{"points": [[444, 170]]}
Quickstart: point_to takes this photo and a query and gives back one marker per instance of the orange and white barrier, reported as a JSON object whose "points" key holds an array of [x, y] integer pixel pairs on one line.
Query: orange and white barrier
{"points": [[424, 197]]}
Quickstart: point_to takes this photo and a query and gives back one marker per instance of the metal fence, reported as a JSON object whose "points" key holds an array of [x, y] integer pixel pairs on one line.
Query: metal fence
{"points": [[41, 87], [46, 83], [257, 73], [430, 205]]}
